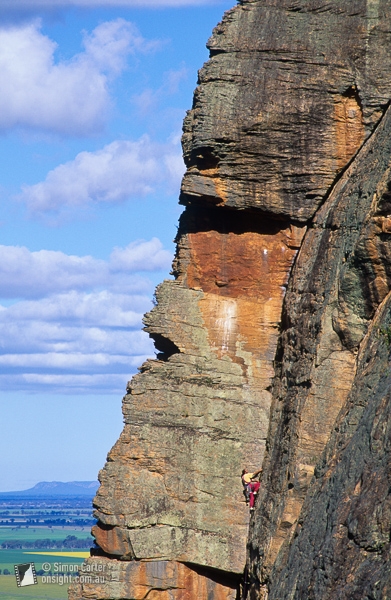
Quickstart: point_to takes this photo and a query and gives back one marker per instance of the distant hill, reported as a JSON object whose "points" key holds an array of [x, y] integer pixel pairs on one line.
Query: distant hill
{"points": [[57, 488]]}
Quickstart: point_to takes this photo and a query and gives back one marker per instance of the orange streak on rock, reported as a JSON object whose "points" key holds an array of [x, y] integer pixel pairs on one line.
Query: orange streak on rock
{"points": [[221, 189], [250, 265], [243, 278], [349, 128], [161, 580]]}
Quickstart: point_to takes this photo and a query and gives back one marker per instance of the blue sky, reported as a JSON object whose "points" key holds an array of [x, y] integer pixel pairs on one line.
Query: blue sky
{"points": [[91, 107]]}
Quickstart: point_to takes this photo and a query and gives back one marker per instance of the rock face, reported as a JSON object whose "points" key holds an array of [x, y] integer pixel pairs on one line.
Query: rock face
{"points": [[342, 542], [274, 337], [342, 275]]}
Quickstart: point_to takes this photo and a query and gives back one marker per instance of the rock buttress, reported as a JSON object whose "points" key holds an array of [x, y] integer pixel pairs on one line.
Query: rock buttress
{"points": [[341, 548], [341, 276], [291, 95]]}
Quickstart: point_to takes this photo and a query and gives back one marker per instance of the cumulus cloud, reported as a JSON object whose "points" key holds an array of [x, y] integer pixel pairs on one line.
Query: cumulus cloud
{"points": [[109, 335], [108, 46], [76, 324], [75, 361], [96, 309], [108, 342], [104, 308], [113, 174], [26, 274], [68, 97], [140, 256], [109, 383]]}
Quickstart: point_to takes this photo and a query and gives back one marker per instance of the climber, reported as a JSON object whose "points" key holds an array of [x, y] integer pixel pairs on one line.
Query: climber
{"points": [[251, 487]]}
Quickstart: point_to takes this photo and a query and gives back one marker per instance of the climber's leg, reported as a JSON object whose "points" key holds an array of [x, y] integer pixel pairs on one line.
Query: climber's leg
{"points": [[254, 488]]}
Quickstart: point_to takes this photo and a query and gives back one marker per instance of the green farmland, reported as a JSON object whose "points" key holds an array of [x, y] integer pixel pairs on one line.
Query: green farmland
{"points": [[31, 534], [9, 558], [10, 591], [42, 533]]}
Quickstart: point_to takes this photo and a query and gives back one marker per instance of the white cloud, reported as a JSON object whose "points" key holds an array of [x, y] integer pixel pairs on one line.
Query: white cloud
{"points": [[26, 274], [119, 171], [77, 361], [77, 328], [78, 344], [108, 46], [108, 383], [54, 352], [104, 307], [144, 256], [69, 97], [31, 274]]}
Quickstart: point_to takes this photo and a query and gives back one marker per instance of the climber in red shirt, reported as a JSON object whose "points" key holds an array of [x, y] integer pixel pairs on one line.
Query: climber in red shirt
{"points": [[251, 487]]}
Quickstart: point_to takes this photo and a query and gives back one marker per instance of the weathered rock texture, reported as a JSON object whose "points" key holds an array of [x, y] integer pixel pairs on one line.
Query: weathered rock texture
{"points": [[272, 346], [342, 274], [342, 542]]}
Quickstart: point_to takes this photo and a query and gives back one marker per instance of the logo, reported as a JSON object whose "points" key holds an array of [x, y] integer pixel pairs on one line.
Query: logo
{"points": [[25, 574]]}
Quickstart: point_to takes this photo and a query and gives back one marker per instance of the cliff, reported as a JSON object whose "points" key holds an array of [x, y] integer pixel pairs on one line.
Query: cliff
{"points": [[274, 338]]}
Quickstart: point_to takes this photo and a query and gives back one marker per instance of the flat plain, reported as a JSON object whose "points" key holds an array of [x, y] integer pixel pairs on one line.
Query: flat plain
{"points": [[10, 591], [54, 528]]}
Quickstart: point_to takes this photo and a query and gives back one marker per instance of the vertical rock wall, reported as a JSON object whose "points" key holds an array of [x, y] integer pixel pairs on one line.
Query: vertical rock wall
{"points": [[287, 152], [342, 275]]}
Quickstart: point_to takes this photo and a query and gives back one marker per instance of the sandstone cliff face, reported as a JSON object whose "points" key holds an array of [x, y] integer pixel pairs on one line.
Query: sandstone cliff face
{"points": [[267, 335], [341, 276], [342, 542]]}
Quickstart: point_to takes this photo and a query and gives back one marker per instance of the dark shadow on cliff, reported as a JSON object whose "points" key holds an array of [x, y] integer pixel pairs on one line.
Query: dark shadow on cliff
{"points": [[225, 578], [165, 346], [203, 218]]}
